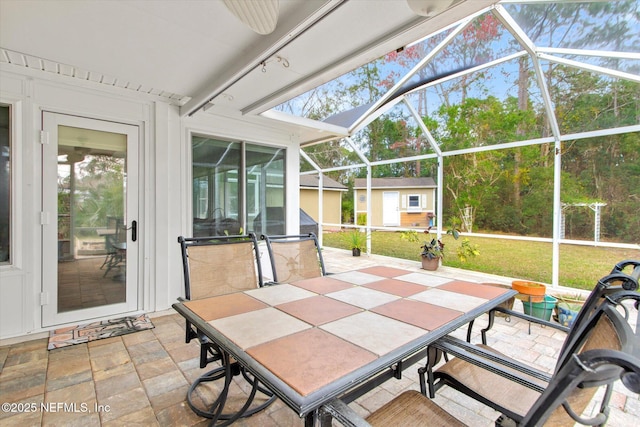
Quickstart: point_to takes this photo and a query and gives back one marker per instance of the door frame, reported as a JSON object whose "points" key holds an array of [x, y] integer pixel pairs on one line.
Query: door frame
{"points": [[49, 277]]}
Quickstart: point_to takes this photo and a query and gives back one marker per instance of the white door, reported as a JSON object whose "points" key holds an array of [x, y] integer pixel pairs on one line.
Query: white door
{"points": [[391, 208], [90, 219]]}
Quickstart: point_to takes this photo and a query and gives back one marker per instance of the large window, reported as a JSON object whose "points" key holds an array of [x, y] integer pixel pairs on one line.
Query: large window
{"points": [[5, 184], [237, 187]]}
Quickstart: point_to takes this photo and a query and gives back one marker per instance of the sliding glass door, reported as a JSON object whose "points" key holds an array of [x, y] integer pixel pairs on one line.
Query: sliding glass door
{"points": [[237, 187]]}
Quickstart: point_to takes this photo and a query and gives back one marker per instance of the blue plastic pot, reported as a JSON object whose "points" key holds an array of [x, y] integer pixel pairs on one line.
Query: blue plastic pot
{"points": [[566, 316]]}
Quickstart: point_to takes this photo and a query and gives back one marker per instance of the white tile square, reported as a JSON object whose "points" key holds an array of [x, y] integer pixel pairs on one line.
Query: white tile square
{"points": [[424, 279], [279, 294], [356, 277], [376, 333], [452, 300], [259, 326], [363, 297]]}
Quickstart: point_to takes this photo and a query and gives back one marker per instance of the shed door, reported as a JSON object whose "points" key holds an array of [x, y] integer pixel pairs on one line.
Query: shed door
{"points": [[391, 208]]}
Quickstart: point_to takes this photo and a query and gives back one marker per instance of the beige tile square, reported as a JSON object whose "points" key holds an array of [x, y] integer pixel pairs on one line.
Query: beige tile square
{"points": [[356, 277], [424, 279], [259, 326], [279, 294], [452, 300], [376, 333], [363, 297]]}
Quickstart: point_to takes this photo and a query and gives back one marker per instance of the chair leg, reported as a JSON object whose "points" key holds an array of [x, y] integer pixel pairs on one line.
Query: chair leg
{"points": [[483, 332], [106, 261], [433, 357], [469, 330], [214, 411], [218, 403]]}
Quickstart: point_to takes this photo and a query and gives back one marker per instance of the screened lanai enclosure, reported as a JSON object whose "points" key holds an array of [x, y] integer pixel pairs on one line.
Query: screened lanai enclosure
{"points": [[526, 114], [522, 116]]}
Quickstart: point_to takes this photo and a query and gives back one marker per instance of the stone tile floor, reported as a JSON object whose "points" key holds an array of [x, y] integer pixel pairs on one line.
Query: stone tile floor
{"points": [[142, 378]]}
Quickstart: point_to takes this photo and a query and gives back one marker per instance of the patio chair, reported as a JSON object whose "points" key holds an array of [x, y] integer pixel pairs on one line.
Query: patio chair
{"points": [[109, 239], [117, 253], [495, 379], [294, 257], [576, 382], [215, 266]]}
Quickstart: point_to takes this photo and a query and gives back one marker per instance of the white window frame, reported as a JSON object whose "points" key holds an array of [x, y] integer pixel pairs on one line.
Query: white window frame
{"points": [[15, 186], [414, 209]]}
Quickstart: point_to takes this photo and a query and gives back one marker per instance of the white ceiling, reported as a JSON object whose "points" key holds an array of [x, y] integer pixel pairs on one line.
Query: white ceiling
{"points": [[189, 51]]}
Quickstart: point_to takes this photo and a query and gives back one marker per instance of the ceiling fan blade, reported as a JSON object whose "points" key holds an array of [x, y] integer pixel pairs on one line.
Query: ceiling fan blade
{"points": [[260, 16]]}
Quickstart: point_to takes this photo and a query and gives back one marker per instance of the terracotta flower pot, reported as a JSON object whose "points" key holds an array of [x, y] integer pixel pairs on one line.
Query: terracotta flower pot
{"points": [[430, 264], [529, 291]]}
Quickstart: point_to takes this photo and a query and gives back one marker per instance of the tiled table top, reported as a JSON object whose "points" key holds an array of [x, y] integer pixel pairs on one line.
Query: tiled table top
{"points": [[312, 340]]}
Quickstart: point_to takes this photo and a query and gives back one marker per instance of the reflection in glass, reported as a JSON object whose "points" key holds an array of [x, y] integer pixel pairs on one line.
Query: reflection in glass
{"points": [[216, 189], [265, 189], [605, 26], [586, 101], [5, 184], [219, 186], [91, 218]]}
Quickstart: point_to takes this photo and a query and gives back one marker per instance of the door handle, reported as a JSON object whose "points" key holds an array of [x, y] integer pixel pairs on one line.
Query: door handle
{"points": [[134, 231]]}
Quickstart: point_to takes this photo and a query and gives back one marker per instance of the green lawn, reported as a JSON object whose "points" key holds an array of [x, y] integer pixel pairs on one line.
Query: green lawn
{"points": [[580, 266]]}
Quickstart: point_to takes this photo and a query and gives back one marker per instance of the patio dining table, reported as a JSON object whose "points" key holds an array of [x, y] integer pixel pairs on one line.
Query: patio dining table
{"points": [[339, 335]]}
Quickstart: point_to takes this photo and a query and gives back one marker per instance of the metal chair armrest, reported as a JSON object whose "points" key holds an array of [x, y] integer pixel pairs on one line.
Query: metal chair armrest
{"points": [[519, 315], [342, 413], [493, 362]]}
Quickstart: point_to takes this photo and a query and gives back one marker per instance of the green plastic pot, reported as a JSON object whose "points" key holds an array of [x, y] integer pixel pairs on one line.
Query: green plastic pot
{"points": [[541, 310]]}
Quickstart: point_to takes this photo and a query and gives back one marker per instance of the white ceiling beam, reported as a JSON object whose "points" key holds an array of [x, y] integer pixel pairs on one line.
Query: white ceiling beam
{"points": [[325, 74], [220, 84], [589, 52], [589, 67]]}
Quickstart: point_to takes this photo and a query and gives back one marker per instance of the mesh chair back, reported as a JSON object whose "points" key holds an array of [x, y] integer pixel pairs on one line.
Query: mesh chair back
{"points": [[220, 265], [607, 286], [112, 221], [121, 232], [113, 224], [566, 398], [294, 257]]}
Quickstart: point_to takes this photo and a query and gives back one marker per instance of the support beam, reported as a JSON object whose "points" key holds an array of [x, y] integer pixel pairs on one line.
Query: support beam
{"points": [[219, 85]]}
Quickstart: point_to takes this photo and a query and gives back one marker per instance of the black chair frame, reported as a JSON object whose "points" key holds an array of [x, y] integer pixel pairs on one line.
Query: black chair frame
{"points": [[519, 372], [210, 352], [591, 368]]}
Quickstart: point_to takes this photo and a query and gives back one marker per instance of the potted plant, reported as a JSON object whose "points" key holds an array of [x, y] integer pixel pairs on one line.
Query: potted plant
{"points": [[432, 251], [431, 254], [357, 241]]}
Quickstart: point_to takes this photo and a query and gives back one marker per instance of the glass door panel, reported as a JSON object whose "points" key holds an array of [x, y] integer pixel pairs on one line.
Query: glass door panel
{"points": [[89, 170]]}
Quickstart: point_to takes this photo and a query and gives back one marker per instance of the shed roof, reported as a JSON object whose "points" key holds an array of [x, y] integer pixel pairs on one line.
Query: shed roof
{"points": [[311, 181], [396, 183]]}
